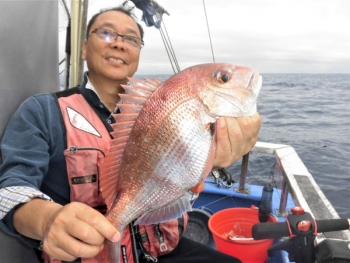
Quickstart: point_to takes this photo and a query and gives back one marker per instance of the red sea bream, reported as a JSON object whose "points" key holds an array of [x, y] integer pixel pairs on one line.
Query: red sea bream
{"points": [[164, 141]]}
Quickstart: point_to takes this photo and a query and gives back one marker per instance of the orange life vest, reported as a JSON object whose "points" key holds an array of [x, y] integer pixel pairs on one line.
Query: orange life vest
{"points": [[87, 141]]}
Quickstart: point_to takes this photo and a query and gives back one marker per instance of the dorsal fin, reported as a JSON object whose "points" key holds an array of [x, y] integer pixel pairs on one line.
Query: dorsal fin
{"points": [[141, 91], [137, 94], [130, 108], [122, 125], [132, 99], [155, 82], [148, 83]]}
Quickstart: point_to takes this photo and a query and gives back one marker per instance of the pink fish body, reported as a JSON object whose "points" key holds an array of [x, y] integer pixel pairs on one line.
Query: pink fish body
{"points": [[164, 141]]}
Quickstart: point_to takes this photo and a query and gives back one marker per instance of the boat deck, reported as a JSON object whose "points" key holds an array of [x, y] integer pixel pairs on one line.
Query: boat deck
{"points": [[298, 189]]}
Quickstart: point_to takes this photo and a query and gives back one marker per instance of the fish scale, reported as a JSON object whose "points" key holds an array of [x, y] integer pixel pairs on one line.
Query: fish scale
{"points": [[164, 141]]}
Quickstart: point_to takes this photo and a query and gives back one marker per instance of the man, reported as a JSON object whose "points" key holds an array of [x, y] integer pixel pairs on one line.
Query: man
{"points": [[38, 202]]}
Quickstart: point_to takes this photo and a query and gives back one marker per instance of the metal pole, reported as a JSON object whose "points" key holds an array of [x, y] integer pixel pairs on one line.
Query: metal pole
{"points": [[244, 170], [68, 55], [82, 29], [284, 195], [75, 11], [78, 29]]}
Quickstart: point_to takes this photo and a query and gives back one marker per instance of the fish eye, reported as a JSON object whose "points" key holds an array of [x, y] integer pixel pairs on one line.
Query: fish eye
{"points": [[222, 76]]}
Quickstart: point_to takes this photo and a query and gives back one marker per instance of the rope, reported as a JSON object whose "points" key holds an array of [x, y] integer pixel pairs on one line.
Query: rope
{"points": [[167, 49], [61, 61], [168, 46], [171, 48], [63, 2]]}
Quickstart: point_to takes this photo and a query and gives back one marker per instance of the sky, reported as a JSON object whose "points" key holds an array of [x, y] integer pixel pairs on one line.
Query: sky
{"points": [[271, 36]]}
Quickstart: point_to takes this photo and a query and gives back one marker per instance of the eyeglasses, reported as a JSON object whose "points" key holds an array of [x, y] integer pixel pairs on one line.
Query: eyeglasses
{"points": [[110, 37]]}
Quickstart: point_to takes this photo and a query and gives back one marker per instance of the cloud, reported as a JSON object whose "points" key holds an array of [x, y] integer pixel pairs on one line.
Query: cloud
{"points": [[273, 36]]}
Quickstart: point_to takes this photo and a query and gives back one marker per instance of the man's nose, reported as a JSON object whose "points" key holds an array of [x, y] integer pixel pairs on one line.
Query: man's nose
{"points": [[119, 42]]}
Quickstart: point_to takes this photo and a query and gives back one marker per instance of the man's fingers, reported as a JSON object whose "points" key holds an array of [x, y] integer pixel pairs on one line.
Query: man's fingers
{"points": [[224, 142], [71, 249], [235, 138], [222, 135], [250, 126], [100, 226], [85, 232], [77, 230], [76, 248]]}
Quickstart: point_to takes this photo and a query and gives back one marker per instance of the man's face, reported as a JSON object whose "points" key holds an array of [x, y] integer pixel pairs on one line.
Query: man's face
{"points": [[113, 61]]}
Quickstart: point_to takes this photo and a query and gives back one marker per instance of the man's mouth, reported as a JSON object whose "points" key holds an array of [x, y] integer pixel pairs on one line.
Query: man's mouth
{"points": [[117, 60]]}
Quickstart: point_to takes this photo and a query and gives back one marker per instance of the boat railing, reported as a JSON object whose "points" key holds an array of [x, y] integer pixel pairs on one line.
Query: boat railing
{"points": [[299, 183]]}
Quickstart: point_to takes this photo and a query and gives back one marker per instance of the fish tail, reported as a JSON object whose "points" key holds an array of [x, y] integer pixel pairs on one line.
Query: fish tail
{"points": [[109, 254], [113, 251]]}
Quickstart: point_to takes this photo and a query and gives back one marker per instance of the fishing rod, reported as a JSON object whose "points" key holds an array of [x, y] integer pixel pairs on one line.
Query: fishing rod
{"points": [[211, 45]]}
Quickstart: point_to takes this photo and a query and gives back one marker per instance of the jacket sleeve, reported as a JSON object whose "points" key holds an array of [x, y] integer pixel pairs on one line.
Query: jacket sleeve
{"points": [[25, 155]]}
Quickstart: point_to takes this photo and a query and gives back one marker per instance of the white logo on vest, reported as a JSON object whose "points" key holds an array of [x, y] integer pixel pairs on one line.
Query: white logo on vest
{"points": [[80, 122]]}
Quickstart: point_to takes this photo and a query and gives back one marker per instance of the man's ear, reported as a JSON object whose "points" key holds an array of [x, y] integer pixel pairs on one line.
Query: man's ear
{"points": [[83, 50]]}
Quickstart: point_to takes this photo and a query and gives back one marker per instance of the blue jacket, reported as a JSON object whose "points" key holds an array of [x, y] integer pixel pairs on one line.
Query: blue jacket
{"points": [[32, 151]]}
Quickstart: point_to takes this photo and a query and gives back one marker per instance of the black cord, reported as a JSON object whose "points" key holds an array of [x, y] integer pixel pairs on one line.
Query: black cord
{"points": [[133, 243]]}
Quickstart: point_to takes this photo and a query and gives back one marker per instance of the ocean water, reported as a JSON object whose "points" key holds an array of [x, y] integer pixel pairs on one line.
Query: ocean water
{"points": [[310, 112]]}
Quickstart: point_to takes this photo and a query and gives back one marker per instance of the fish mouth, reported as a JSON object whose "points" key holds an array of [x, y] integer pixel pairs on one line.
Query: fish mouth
{"points": [[255, 83]]}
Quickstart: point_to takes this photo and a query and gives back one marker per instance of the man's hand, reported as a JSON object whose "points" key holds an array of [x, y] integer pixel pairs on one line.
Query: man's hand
{"points": [[235, 137], [67, 232]]}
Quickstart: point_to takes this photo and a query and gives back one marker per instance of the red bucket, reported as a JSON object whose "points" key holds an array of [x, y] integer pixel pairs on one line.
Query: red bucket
{"points": [[232, 233]]}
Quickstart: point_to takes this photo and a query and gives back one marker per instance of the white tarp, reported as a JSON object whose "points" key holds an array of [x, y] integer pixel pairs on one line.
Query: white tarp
{"points": [[28, 65], [28, 52]]}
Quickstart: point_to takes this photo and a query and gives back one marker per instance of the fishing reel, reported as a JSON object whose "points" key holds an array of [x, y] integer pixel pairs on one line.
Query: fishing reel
{"points": [[223, 178], [302, 229]]}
